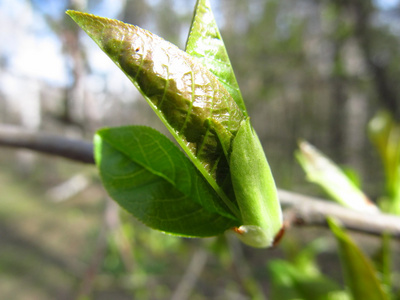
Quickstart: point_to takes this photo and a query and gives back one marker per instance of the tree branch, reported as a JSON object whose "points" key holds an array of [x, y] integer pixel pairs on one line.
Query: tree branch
{"points": [[311, 211], [78, 150], [300, 210]]}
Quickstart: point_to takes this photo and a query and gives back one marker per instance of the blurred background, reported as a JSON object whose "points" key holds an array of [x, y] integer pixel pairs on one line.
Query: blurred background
{"points": [[317, 70]]}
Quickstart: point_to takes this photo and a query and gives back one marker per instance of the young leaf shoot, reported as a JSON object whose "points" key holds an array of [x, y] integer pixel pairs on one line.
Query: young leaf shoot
{"points": [[209, 122]]}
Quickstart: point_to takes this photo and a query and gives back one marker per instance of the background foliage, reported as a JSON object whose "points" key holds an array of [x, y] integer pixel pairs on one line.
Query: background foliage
{"points": [[318, 70]]}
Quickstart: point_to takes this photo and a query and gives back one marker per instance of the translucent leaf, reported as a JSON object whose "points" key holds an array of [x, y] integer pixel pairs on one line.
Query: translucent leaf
{"points": [[206, 44]]}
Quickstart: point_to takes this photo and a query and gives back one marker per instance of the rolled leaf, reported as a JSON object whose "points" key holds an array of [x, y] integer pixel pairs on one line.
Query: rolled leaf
{"points": [[255, 190]]}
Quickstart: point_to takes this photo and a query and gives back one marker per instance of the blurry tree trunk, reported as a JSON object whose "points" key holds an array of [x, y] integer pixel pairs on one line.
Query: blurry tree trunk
{"points": [[339, 83], [339, 101], [387, 87]]}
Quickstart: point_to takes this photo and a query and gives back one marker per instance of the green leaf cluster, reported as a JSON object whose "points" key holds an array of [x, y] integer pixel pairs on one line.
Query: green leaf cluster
{"points": [[196, 95]]}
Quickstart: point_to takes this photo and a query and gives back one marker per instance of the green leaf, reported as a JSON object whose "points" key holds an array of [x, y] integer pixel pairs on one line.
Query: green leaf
{"points": [[153, 180], [206, 44], [322, 171], [193, 104], [359, 274]]}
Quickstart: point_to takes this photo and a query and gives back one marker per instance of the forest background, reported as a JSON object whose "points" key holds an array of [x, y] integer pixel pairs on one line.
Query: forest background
{"points": [[317, 70]]}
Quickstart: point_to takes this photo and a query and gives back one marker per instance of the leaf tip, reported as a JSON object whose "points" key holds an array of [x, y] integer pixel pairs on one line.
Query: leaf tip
{"points": [[100, 29], [75, 15]]}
